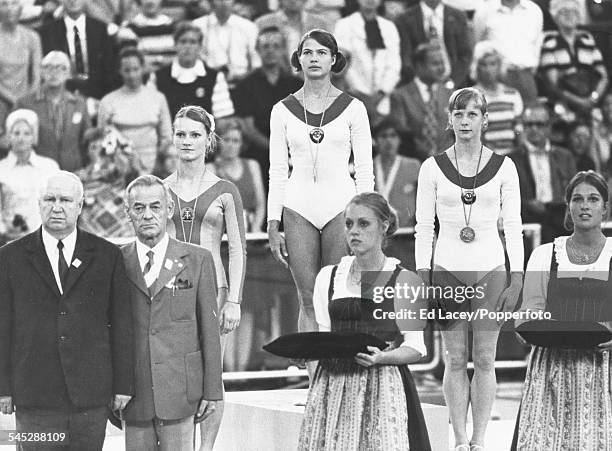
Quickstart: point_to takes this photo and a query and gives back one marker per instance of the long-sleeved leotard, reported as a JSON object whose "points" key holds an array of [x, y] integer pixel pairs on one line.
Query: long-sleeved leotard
{"points": [[346, 128], [439, 194], [218, 210]]}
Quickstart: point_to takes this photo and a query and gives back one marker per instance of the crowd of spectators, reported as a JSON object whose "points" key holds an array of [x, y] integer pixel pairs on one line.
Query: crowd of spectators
{"points": [[91, 87]]}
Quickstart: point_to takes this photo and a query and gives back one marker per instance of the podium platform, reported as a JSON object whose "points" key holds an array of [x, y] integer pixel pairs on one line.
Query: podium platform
{"points": [[270, 420]]}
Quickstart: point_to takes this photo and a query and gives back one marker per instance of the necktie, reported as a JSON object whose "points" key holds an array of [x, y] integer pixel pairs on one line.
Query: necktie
{"points": [[61, 264], [431, 128], [78, 53], [149, 263]]}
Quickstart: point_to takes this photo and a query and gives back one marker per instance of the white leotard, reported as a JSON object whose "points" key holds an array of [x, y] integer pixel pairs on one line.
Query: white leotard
{"points": [[497, 193], [346, 129]]}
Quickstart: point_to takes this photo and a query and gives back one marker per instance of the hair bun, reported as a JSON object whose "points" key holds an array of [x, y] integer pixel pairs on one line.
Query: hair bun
{"points": [[393, 222]]}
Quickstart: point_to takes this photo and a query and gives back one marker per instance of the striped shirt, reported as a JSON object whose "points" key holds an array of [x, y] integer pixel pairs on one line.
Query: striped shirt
{"points": [[505, 107], [557, 53]]}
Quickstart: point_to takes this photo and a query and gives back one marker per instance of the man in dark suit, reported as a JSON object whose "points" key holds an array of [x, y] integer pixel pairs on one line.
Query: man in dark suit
{"points": [[65, 325], [91, 49], [178, 351], [544, 171], [429, 21], [62, 116], [421, 106]]}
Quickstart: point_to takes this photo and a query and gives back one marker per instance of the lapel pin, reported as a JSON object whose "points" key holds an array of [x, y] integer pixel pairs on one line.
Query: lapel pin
{"points": [[76, 263], [168, 264]]}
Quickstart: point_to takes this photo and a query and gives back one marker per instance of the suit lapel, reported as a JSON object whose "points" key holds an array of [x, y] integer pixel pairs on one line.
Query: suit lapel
{"points": [[40, 261], [61, 25], [132, 267], [416, 95], [81, 259], [171, 266]]}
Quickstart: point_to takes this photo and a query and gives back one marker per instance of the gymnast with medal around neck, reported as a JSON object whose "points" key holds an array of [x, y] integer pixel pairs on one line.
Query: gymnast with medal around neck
{"points": [[319, 125], [468, 188]]}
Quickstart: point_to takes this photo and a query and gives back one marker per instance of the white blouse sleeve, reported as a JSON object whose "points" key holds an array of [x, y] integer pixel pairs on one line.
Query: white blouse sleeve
{"points": [[320, 299], [411, 329], [279, 162], [361, 142], [511, 215], [425, 214], [535, 287]]}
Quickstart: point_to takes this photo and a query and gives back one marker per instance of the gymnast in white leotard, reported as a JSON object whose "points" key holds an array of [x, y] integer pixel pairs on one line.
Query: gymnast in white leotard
{"points": [[317, 127], [468, 188]]}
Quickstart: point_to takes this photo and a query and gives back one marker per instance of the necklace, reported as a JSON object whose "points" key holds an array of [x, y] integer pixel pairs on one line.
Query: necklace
{"points": [[583, 257], [355, 274], [316, 134], [467, 234], [187, 213]]}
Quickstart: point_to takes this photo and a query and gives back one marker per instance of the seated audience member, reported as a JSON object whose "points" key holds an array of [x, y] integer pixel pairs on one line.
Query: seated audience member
{"points": [[515, 29], [242, 172], [434, 22], [395, 175], [544, 170], [420, 107], [294, 22], [602, 131], [255, 96], [87, 42], [62, 116], [150, 31], [20, 54], [140, 113], [581, 143], [189, 81], [229, 41], [111, 12], [571, 65], [104, 182], [19, 173], [371, 44], [504, 103]]}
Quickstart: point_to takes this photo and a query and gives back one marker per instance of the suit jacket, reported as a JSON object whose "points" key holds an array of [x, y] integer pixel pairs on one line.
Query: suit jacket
{"points": [[76, 347], [101, 55], [457, 41], [68, 150], [562, 169], [178, 351], [410, 112]]}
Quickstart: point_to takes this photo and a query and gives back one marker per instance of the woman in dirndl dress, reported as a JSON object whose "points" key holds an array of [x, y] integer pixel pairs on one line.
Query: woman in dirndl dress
{"points": [[567, 400], [366, 402]]}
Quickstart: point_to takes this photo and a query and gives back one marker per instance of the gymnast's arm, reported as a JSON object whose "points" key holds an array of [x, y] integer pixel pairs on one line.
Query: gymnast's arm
{"points": [[361, 141]]}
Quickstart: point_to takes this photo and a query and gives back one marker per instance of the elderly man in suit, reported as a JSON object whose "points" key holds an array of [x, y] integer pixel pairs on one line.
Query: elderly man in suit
{"points": [[62, 116], [544, 171], [65, 325], [432, 21], [91, 49], [178, 351], [421, 106]]}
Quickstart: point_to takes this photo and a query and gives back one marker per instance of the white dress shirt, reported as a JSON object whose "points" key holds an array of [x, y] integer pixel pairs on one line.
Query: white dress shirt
{"points": [[369, 70], [540, 168], [425, 90], [517, 32], [230, 44], [159, 254], [52, 251], [80, 25]]}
